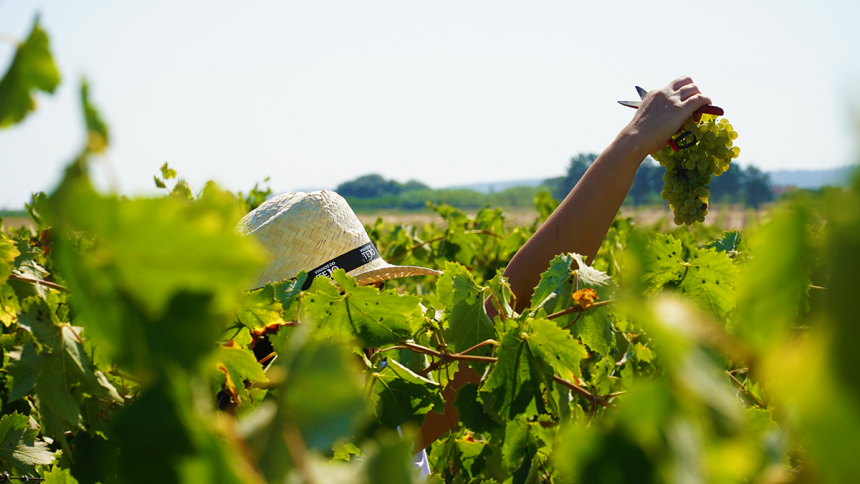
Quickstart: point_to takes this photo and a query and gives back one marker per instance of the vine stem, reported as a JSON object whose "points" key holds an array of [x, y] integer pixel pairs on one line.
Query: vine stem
{"points": [[579, 309], [574, 320], [501, 311], [298, 452], [582, 392], [488, 342], [58, 287], [445, 357], [744, 389], [437, 239]]}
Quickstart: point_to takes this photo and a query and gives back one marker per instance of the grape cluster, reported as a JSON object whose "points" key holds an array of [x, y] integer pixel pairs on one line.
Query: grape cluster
{"points": [[689, 170]]}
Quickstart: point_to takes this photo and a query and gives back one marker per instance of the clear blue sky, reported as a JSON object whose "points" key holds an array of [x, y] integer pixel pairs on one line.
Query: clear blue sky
{"points": [[447, 92]]}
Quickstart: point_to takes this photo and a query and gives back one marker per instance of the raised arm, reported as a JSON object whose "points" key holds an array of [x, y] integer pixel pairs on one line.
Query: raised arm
{"points": [[581, 221]]}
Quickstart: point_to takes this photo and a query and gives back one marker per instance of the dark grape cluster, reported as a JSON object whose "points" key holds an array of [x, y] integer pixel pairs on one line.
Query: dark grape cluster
{"points": [[689, 170]]}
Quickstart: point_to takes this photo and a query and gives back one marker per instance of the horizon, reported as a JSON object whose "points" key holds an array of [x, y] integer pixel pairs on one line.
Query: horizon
{"points": [[447, 94]]}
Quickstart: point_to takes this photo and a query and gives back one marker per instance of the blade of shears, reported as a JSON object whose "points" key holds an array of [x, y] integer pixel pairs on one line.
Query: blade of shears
{"points": [[708, 109]]}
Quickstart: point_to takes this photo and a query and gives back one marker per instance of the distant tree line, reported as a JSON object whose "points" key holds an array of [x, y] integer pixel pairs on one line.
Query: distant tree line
{"points": [[738, 185], [372, 192], [370, 186]]}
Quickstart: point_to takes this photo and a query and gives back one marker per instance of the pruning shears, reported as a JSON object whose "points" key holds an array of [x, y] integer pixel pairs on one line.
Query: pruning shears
{"points": [[686, 138]]}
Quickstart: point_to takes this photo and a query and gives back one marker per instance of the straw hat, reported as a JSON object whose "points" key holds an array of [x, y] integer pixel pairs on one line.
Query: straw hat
{"points": [[317, 232]]}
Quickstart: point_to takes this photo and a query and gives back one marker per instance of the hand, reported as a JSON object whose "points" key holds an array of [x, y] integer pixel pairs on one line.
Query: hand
{"points": [[662, 112]]}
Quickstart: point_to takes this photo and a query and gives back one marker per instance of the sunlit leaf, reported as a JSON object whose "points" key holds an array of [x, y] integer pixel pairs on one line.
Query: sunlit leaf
{"points": [[8, 253], [20, 448], [468, 322], [32, 69], [167, 172], [376, 318], [9, 305]]}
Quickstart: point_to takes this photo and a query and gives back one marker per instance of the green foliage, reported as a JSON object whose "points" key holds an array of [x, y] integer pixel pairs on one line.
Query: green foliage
{"points": [[545, 205]]}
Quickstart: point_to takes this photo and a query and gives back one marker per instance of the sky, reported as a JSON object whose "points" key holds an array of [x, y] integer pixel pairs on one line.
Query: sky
{"points": [[448, 92]]}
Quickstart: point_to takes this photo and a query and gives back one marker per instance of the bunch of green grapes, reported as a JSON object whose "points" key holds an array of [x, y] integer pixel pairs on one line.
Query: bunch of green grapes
{"points": [[689, 170]]}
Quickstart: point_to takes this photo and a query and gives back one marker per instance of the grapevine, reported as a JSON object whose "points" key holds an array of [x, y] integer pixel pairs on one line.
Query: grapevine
{"points": [[689, 170]]}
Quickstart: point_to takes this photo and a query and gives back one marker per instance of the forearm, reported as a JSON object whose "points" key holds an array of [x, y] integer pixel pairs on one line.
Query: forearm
{"points": [[582, 219]]}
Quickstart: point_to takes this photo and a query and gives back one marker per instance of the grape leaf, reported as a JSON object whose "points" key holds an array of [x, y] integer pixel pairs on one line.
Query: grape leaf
{"points": [[159, 183], [459, 246], [552, 280], [729, 242], [559, 284], [402, 396], [471, 410], [709, 281], [260, 308], [182, 190], [557, 347], [8, 253], [468, 322], [594, 329], [662, 263], [287, 291], [643, 353], [708, 278], [64, 370], [9, 305], [23, 367], [522, 438], [503, 294], [377, 318], [166, 172], [32, 69], [19, 446], [589, 276], [59, 476], [516, 377], [240, 365]]}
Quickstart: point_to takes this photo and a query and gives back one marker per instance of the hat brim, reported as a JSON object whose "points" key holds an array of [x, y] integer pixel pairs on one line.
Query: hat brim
{"points": [[392, 272]]}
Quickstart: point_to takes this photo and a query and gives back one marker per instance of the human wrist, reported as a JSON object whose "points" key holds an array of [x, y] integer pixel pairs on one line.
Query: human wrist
{"points": [[633, 144]]}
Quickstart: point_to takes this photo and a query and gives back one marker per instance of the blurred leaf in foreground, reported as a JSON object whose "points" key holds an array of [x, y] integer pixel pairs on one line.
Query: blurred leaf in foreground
{"points": [[32, 69], [98, 136]]}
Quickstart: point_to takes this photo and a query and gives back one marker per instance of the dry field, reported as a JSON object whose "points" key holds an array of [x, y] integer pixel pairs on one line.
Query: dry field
{"points": [[725, 216]]}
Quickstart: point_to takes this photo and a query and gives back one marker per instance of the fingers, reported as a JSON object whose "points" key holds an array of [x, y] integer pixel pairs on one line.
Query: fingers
{"points": [[688, 91], [681, 82], [694, 102]]}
